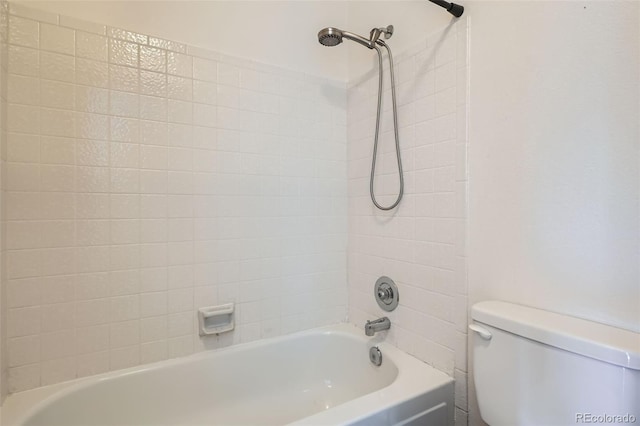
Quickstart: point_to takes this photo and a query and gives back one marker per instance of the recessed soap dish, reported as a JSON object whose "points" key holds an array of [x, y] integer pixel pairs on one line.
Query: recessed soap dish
{"points": [[216, 319]]}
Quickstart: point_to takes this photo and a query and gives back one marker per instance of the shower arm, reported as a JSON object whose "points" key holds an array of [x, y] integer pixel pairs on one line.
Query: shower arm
{"points": [[454, 9], [358, 39]]}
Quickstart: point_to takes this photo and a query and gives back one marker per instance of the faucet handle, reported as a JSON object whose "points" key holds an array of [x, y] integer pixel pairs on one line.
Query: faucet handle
{"points": [[385, 294]]}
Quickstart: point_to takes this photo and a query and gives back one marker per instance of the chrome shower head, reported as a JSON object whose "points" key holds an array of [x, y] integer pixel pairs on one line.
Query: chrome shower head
{"points": [[330, 37]]}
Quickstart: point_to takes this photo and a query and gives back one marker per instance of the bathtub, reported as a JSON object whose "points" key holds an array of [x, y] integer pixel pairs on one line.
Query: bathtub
{"points": [[316, 377]]}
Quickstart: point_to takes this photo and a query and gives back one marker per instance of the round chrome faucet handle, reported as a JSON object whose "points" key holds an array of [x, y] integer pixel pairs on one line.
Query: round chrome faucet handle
{"points": [[385, 290], [385, 294]]}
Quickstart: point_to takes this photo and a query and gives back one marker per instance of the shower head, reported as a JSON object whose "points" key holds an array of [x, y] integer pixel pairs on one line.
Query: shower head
{"points": [[330, 37], [333, 36]]}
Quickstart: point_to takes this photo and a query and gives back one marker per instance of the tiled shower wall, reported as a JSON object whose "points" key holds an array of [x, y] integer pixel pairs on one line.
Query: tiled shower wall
{"points": [[421, 244], [145, 179]]}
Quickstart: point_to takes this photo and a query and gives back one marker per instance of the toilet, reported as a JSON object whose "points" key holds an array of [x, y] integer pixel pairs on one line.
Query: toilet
{"points": [[538, 368]]}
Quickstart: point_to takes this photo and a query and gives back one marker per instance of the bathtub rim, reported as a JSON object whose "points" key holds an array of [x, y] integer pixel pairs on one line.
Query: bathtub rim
{"points": [[20, 406]]}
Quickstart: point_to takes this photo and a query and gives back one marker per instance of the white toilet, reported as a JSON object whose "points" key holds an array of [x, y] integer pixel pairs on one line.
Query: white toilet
{"points": [[533, 367]]}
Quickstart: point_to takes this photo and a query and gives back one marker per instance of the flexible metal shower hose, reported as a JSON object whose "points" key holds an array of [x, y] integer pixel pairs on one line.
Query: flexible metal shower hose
{"points": [[395, 129]]}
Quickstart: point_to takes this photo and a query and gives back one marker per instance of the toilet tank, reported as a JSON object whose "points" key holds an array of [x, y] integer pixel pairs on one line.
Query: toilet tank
{"points": [[533, 367]]}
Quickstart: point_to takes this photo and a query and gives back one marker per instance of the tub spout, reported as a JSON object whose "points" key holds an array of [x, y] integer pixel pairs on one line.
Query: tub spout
{"points": [[372, 327]]}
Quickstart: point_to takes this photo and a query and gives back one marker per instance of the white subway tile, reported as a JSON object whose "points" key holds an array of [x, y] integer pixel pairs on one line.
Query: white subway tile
{"points": [[123, 53], [204, 69], [20, 9], [179, 159], [23, 148], [93, 363], [446, 49], [124, 308], [124, 129], [55, 94], [58, 261], [229, 75], [23, 119], [24, 61], [124, 104], [23, 321], [57, 317], [153, 157], [56, 66], [153, 279], [179, 88], [446, 101], [91, 46], [57, 205], [92, 73], [23, 90], [58, 344], [153, 59], [23, 177], [92, 339], [124, 357], [125, 231], [204, 92], [57, 39], [445, 76], [131, 36], [92, 99], [153, 304], [92, 179], [23, 293], [57, 233], [153, 329], [180, 346], [58, 289], [179, 64], [125, 181], [153, 83], [92, 312], [24, 377], [79, 24], [204, 115], [124, 78], [125, 333], [23, 32], [23, 206], [24, 350], [55, 122], [180, 300], [153, 351], [167, 44], [92, 232], [180, 112]]}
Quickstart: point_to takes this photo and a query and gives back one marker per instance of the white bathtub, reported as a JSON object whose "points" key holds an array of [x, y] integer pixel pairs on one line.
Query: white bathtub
{"points": [[317, 377]]}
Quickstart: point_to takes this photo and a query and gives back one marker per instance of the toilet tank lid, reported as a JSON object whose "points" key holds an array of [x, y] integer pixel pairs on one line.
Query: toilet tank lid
{"points": [[587, 338]]}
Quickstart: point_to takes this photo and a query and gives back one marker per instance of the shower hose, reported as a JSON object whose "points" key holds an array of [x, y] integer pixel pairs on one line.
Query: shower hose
{"points": [[395, 129]]}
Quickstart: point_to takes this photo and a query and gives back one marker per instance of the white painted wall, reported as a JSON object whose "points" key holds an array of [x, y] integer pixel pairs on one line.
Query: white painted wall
{"points": [[554, 157], [281, 33]]}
